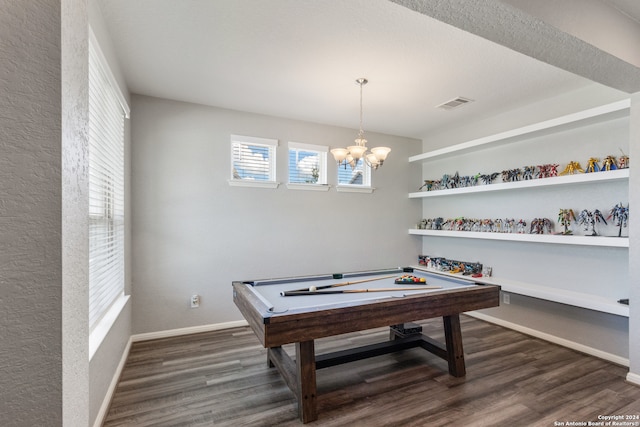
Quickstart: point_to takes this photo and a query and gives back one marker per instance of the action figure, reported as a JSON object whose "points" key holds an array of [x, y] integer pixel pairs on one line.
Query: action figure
{"points": [[593, 165], [572, 167], [609, 164], [548, 170], [565, 216], [620, 216], [529, 172], [538, 225], [589, 219], [444, 182], [488, 179], [428, 184], [623, 161]]}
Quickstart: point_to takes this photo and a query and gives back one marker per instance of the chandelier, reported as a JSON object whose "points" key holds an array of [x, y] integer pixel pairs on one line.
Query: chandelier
{"points": [[352, 154]]}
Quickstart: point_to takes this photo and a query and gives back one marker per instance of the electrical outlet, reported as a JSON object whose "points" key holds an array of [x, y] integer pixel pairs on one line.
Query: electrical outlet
{"points": [[195, 301], [506, 298]]}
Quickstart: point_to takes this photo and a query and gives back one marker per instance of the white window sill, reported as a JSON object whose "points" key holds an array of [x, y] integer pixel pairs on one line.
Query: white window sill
{"points": [[308, 187], [354, 189], [102, 328], [252, 183]]}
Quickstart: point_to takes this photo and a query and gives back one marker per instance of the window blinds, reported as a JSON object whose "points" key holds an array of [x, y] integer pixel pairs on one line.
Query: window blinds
{"points": [[307, 163], [253, 158], [106, 189]]}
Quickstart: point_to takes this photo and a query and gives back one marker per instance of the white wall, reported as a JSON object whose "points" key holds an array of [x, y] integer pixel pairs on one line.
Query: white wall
{"points": [[193, 233]]}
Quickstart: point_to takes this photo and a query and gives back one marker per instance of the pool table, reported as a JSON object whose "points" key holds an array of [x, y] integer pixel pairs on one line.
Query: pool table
{"points": [[326, 305]]}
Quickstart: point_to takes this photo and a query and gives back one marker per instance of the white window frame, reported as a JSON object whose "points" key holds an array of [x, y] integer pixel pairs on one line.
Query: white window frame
{"points": [[238, 143], [107, 111], [321, 151], [365, 187]]}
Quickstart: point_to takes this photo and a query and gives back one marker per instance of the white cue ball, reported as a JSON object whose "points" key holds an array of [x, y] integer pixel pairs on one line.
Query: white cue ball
{"points": [[312, 288]]}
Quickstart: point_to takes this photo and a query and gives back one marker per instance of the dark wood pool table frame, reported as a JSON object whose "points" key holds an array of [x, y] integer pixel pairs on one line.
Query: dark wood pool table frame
{"points": [[302, 327]]}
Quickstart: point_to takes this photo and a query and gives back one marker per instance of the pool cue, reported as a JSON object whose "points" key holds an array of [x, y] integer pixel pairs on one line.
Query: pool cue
{"points": [[336, 285], [353, 291]]}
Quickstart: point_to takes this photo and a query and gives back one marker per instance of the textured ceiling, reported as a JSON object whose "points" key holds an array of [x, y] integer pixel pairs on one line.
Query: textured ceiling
{"points": [[299, 59]]}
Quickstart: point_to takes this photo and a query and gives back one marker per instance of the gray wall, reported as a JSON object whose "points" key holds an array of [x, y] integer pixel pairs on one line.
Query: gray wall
{"points": [[42, 280], [193, 233], [45, 374], [30, 214]]}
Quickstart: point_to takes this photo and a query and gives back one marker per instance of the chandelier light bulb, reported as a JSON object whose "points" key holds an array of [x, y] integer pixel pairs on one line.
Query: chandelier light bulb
{"points": [[352, 154]]}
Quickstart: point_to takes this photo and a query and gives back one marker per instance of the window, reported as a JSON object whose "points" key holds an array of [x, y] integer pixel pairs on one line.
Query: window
{"points": [[307, 166], [253, 161], [107, 110], [354, 179]]}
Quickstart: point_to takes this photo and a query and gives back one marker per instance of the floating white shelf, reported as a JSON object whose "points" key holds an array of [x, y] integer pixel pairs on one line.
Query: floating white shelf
{"points": [[582, 178], [563, 296], [613, 110], [615, 242]]}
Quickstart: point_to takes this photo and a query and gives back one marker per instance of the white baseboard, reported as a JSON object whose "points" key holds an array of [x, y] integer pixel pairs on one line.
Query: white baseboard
{"points": [[104, 408], [633, 378], [189, 330], [556, 340]]}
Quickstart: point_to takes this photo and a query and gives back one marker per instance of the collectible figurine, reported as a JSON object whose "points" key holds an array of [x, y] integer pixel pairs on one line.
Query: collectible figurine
{"points": [[428, 184], [487, 225], [521, 226], [593, 165], [565, 216], [589, 219], [529, 172], [469, 181], [609, 164], [437, 223], [444, 182], [572, 168], [538, 225], [543, 171], [488, 179], [455, 181], [548, 170], [623, 161], [620, 216]]}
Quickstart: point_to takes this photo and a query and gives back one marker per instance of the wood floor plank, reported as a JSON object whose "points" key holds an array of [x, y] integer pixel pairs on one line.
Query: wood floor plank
{"points": [[221, 378]]}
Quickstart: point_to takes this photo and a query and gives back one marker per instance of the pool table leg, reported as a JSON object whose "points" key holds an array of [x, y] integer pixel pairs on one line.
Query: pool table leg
{"points": [[306, 381], [453, 339], [300, 376]]}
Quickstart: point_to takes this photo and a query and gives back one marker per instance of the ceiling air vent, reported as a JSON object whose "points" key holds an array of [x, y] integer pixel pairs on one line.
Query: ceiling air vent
{"points": [[454, 103]]}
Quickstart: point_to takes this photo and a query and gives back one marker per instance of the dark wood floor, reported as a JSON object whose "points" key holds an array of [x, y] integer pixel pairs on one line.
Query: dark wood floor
{"points": [[221, 378]]}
